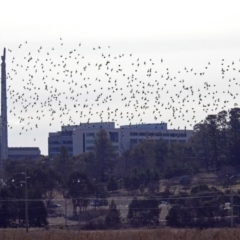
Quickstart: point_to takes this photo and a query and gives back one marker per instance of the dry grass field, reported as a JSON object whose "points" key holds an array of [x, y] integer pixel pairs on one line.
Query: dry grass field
{"points": [[141, 234]]}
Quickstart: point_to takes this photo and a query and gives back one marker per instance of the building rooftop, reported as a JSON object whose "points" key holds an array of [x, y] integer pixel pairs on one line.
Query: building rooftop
{"points": [[23, 148], [146, 126], [96, 125]]}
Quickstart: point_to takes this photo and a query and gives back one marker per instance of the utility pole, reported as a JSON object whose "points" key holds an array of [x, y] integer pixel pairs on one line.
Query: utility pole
{"points": [[26, 197], [26, 201], [66, 221], [215, 167], [231, 210], [231, 204]]}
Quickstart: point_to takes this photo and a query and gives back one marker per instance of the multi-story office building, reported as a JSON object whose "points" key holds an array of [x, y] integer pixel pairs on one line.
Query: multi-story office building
{"points": [[84, 135], [17, 153], [80, 138], [62, 138], [134, 134]]}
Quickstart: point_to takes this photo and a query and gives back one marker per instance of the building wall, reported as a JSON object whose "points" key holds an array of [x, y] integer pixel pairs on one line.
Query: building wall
{"points": [[15, 153], [83, 139], [122, 138], [78, 146], [149, 126], [129, 137], [59, 139]]}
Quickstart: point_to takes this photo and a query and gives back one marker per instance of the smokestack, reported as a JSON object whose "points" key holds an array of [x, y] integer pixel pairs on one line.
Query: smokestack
{"points": [[4, 124]]}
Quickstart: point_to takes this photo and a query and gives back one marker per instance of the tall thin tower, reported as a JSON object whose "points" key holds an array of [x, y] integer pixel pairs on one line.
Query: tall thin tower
{"points": [[4, 123]]}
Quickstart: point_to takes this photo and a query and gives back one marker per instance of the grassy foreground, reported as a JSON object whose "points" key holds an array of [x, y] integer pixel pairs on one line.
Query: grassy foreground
{"points": [[141, 234]]}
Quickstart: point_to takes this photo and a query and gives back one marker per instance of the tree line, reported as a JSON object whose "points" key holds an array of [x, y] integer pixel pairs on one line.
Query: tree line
{"points": [[216, 140], [100, 172]]}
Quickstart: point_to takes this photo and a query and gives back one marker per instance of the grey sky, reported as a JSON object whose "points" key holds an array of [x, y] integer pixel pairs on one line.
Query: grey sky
{"points": [[185, 34]]}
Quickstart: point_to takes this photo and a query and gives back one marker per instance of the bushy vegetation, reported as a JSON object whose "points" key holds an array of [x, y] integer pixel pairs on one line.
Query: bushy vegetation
{"points": [[217, 139], [12, 201], [143, 212], [203, 207], [113, 218], [94, 176]]}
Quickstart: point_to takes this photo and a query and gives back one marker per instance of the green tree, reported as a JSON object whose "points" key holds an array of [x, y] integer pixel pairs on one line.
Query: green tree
{"points": [[142, 155], [52, 185], [142, 188], [185, 181], [80, 189], [105, 154], [8, 209], [161, 149], [200, 144], [213, 135], [43, 162], [222, 118], [112, 184], [79, 162], [79, 185], [63, 164], [234, 135], [101, 194], [133, 181], [178, 216], [216, 141], [113, 217], [14, 211], [12, 167], [144, 212], [203, 208], [92, 165]]}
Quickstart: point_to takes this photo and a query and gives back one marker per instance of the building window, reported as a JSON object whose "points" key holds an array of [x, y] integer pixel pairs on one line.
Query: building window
{"points": [[90, 134], [89, 148], [67, 142], [142, 134], [90, 141], [113, 137], [83, 142], [158, 134], [182, 141], [54, 149], [133, 141], [54, 142], [133, 133], [67, 133], [182, 134], [165, 134], [150, 134], [23, 156]]}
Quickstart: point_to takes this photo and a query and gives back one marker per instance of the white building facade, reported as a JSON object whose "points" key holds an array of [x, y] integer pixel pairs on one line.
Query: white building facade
{"points": [[80, 138]]}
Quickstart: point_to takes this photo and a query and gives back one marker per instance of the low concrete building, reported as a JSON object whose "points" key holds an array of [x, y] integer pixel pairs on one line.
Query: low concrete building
{"points": [[17, 153]]}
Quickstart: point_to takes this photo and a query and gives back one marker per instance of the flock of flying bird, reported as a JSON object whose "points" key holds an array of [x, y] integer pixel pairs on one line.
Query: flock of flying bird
{"points": [[71, 88]]}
